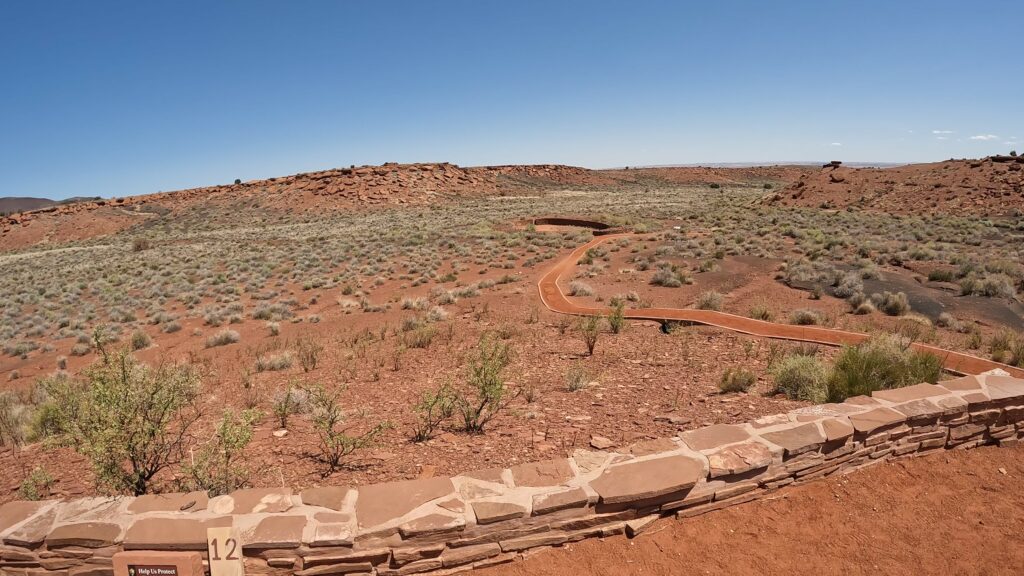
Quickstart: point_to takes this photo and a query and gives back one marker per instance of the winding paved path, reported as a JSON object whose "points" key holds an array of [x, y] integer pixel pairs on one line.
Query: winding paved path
{"points": [[555, 300]]}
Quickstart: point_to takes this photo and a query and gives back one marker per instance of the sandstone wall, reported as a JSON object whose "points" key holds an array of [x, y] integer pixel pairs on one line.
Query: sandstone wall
{"points": [[492, 516]]}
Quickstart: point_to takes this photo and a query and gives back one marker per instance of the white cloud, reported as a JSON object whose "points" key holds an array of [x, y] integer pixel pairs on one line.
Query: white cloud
{"points": [[943, 132], [836, 144], [942, 137], [984, 137]]}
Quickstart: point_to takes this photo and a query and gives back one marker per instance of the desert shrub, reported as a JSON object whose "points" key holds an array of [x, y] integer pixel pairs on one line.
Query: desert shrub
{"points": [[15, 419], [941, 275], [308, 350], [37, 485], [287, 402], [991, 286], [579, 288], [670, 277], [891, 304], [709, 300], [140, 340], [576, 378], [805, 317], [129, 419], [879, 363], [947, 320], [801, 377], [273, 362], [848, 285], [419, 337], [222, 338], [617, 317], [141, 244], [736, 380], [171, 327], [589, 329], [487, 394], [333, 439], [434, 408], [217, 466], [760, 312], [414, 303], [274, 328]]}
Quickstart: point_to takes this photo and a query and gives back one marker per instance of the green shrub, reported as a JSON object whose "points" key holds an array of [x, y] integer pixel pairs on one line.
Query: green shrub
{"points": [[760, 312], [617, 317], [334, 441], [709, 300], [880, 363], [129, 419], [287, 402], [37, 485], [487, 394], [434, 408], [736, 380], [420, 337], [589, 330], [891, 304], [801, 377], [140, 340], [941, 275], [217, 466]]}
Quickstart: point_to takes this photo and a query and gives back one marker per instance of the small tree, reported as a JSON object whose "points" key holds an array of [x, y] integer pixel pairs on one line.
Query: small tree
{"points": [[590, 329], [334, 440], [131, 420], [217, 466], [489, 395]]}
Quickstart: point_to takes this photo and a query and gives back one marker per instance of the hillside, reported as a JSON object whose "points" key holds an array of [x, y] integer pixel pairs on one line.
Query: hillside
{"points": [[989, 186], [352, 188]]}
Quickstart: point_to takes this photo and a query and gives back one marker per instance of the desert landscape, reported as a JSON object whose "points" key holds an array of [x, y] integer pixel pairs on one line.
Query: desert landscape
{"points": [[397, 322], [392, 288]]}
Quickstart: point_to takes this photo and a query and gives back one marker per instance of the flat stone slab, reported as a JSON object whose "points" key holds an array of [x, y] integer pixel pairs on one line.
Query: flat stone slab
{"points": [[908, 393], [837, 428], [276, 532], [738, 458], [922, 408], [872, 420], [17, 512], [1004, 387], [491, 512], [84, 534], [432, 524], [714, 436], [332, 529], [962, 384], [173, 502], [555, 501], [796, 439], [171, 533], [379, 504], [33, 532], [251, 500], [646, 479], [332, 497], [541, 474]]}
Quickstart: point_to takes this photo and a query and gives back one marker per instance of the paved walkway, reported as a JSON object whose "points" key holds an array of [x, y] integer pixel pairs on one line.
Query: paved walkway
{"points": [[554, 298]]}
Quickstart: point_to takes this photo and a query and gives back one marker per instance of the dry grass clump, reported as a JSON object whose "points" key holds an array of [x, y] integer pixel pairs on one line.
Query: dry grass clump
{"points": [[709, 300]]}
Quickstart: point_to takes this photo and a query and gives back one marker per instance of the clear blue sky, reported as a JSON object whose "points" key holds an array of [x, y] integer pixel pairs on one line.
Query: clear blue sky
{"points": [[115, 98]]}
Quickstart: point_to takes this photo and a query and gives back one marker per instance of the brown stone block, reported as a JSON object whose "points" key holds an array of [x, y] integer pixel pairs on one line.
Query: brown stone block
{"points": [[839, 428], [544, 473], [868, 422], [467, 554], [796, 439], [332, 497], [545, 539], [276, 532], [491, 512], [172, 502], [555, 501], [85, 534], [646, 479], [379, 504], [909, 393], [250, 500], [714, 436], [171, 533]]}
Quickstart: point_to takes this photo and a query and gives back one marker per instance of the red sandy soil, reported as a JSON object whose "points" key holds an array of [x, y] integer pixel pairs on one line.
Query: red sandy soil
{"points": [[960, 512], [352, 188], [990, 186]]}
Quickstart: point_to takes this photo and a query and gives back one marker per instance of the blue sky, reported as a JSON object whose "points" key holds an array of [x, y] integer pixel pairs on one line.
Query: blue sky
{"points": [[115, 98]]}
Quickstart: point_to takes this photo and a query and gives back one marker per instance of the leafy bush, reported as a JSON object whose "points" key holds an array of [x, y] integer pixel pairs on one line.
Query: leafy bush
{"points": [[879, 363], [129, 419], [710, 300], [801, 377], [334, 441], [736, 380], [37, 485], [289, 401], [217, 466], [487, 393], [433, 409]]}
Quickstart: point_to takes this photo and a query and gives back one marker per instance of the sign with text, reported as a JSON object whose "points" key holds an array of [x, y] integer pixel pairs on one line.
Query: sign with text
{"points": [[158, 563], [225, 552], [143, 570]]}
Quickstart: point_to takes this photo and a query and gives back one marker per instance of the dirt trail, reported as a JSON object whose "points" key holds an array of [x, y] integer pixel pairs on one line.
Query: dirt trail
{"points": [[555, 300]]}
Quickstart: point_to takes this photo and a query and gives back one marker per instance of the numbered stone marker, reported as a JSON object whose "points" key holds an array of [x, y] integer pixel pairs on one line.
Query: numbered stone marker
{"points": [[144, 563], [225, 552]]}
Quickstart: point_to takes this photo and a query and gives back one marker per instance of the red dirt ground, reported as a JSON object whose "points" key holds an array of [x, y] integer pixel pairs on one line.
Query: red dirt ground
{"points": [[990, 186], [960, 512]]}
